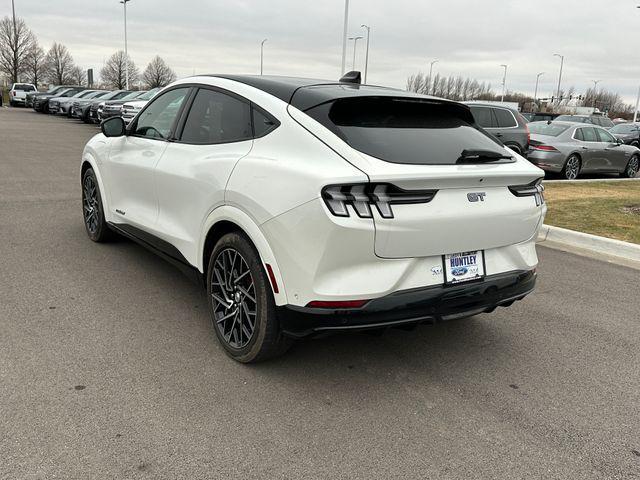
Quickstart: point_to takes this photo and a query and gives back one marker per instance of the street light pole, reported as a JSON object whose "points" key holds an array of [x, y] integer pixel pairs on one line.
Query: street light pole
{"points": [[355, 44], [431, 87], [635, 112], [366, 58], [560, 75], [535, 94], [344, 36], [126, 47], [13, 9], [262, 55], [504, 81], [595, 90]]}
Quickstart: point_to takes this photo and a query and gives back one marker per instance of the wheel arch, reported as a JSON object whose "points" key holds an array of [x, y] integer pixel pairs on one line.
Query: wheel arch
{"points": [[88, 161], [228, 219], [515, 147]]}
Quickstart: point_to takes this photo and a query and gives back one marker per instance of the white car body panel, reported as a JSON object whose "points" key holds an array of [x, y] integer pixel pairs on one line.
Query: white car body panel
{"points": [[270, 187]]}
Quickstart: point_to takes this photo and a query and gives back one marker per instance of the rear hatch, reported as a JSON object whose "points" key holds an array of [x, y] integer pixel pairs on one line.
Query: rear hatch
{"points": [[422, 145]]}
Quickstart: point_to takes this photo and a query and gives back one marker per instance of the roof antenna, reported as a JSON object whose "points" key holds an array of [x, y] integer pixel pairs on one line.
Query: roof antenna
{"points": [[352, 77]]}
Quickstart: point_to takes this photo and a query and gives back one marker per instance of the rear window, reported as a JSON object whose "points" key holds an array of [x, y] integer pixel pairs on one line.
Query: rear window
{"points": [[624, 128], [544, 128], [605, 122], [24, 88], [404, 130], [572, 118]]}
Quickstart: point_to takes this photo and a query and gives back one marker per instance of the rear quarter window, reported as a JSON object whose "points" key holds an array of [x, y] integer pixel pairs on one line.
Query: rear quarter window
{"points": [[505, 118], [484, 117], [405, 130]]}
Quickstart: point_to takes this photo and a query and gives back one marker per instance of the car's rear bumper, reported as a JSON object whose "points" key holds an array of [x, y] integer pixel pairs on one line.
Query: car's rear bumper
{"points": [[549, 161], [421, 305]]}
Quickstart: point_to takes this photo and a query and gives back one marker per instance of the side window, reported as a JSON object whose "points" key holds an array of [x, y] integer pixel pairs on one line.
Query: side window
{"points": [[158, 118], [589, 134], [605, 136], [215, 117], [505, 118], [262, 124], [578, 135], [483, 117]]}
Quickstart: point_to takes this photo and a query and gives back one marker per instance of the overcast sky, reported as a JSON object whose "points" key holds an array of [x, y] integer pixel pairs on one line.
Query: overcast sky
{"points": [[469, 37]]}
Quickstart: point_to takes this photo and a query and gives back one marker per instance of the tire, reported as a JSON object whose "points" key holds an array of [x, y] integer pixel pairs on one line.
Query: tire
{"points": [[632, 167], [515, 148], [571, 168], [11, 104], [45, 109], [237, 286], [92, 210]]}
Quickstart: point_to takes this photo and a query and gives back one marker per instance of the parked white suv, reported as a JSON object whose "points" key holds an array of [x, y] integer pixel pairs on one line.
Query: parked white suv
{"points": [[18, 93], [131, 108], [308, 206]]}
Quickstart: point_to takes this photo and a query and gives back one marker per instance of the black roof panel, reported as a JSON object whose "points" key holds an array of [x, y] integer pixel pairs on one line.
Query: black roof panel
{"points": [[304, 93]]}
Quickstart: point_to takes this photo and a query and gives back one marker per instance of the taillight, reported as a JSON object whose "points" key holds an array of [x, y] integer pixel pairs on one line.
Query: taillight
{"points": [[544, 148], [337, 305], [361, 196], [533, 189]]}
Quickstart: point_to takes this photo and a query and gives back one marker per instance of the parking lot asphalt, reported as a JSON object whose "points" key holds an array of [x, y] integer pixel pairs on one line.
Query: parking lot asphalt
{"points": [[109, 367]]}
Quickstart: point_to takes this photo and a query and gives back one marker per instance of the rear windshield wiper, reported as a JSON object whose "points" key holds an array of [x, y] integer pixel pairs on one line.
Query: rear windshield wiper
{"points": [[481, 156]]}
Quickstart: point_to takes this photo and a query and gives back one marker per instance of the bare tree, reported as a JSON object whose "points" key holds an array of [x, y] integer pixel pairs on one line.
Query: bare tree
{"points": [[35, 64], [158, 73], [15, 42], [113, 73], [78, 75], [59, 65]]}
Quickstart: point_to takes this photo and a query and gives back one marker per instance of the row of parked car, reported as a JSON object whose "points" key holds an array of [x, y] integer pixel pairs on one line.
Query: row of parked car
{"points": [[89, 105], [568, 145], [565, 145]]}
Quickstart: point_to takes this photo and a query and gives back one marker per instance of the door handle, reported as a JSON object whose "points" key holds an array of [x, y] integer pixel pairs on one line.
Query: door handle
{"points": [[498, 134]]}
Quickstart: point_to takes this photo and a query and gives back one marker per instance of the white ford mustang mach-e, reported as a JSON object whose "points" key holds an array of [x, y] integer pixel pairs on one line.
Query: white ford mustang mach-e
{"points": [[309, 206]]}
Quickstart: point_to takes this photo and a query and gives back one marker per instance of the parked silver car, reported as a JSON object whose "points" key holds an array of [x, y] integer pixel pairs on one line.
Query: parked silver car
{"points": [[571, 149]]}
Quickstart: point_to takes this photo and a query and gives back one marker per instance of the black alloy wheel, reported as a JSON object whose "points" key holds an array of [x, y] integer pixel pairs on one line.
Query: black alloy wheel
{"points": [[92, 210], [241, 301], [234, 292]]}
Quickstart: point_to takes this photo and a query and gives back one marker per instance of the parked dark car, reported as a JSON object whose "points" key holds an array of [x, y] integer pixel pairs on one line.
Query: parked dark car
{"points": [[41, 102], [113, 108], [540, 116], [599, 120], [80, 106], [92, 109], [508, 125], [53, 91], [629, 133]]}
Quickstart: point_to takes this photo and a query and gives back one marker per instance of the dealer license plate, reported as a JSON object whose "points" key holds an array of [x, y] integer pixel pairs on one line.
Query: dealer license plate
{"points": [[463, 266]]}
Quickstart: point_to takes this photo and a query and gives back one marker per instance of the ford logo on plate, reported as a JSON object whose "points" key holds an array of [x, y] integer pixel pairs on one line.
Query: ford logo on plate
{"points": [[459, 271]]}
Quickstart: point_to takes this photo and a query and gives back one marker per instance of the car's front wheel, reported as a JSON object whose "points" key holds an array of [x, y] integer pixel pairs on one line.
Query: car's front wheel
{"points": [[92, 209], [242, 308], [632, 167], [571, 168]]}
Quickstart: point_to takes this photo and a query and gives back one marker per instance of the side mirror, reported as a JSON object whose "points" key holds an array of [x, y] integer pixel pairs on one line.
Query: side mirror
{"points": [[618, 141], [113, 127]]}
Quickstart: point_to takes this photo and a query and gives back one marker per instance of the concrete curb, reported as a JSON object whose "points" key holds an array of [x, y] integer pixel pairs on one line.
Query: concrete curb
{"points": [[594, 180], [590, 243]]}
